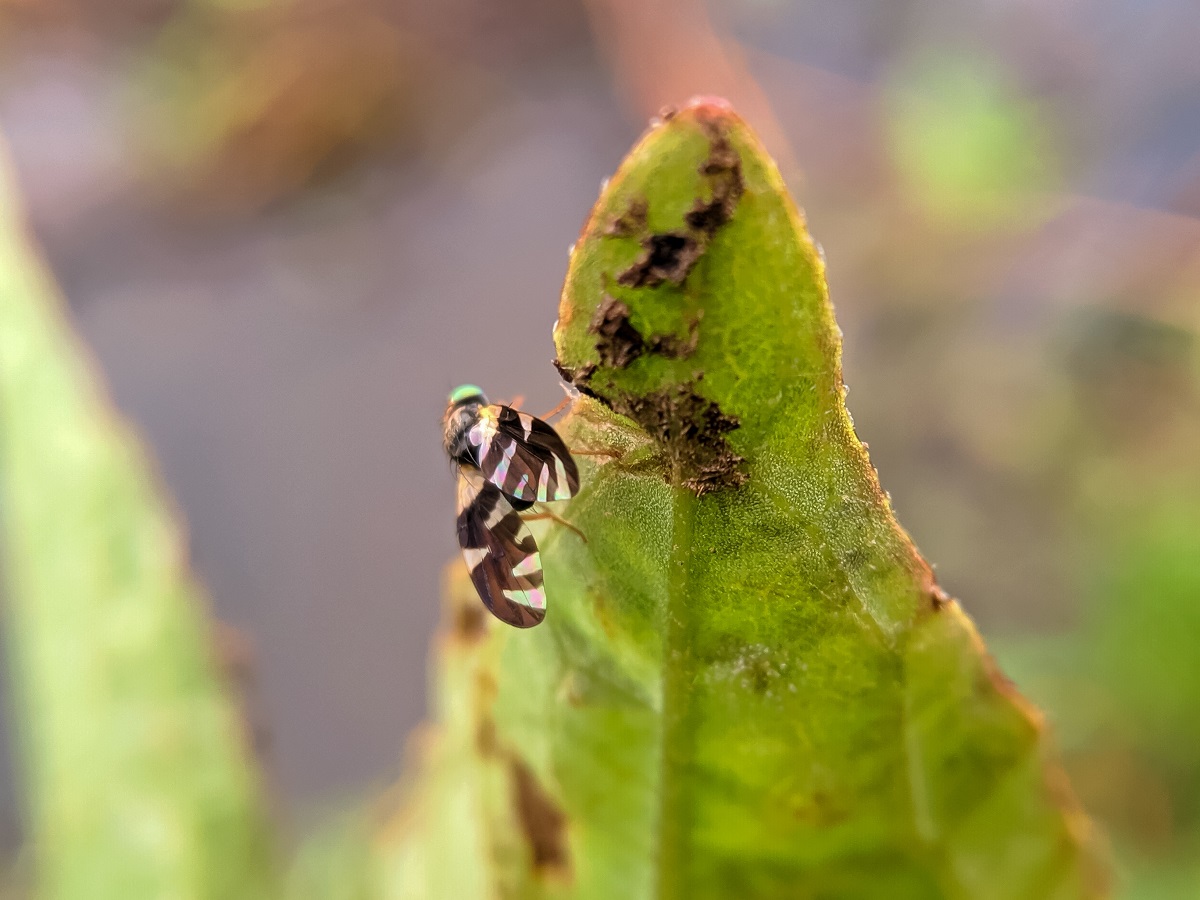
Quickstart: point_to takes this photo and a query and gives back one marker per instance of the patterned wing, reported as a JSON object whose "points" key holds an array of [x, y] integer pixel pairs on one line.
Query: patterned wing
{"points": [[501, 554], [524, 457]]}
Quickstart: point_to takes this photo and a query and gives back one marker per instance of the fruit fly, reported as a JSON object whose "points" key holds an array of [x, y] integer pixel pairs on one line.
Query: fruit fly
{"points": [[507, 460]]}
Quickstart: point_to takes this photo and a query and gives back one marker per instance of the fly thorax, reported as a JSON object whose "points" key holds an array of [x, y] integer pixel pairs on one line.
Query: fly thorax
{"points": [[456, 439]]}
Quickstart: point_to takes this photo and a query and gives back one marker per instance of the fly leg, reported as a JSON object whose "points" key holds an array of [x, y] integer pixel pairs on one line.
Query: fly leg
{"points": [[566, 401], [555, 517], [611, 454]]}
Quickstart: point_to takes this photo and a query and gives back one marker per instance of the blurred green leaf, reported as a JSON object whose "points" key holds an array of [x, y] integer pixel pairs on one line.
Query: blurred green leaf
{"points": [[1143, 631], [748, 684], [240, 105], [138, 776], [971, 151], [1123, 688]]}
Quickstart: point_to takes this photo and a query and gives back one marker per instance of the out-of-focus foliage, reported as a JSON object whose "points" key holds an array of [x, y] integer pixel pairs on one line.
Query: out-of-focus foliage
{"points": [[971, 153], [245, 105], [1123, 689], [138, 772]]}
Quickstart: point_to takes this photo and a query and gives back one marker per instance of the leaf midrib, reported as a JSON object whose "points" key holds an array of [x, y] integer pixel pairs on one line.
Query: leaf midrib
{"points": [[678, 672]]}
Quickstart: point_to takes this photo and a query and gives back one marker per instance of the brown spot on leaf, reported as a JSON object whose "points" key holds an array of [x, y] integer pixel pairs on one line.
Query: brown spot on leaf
{"points": [[826, 810], [723, 161], [470, 624], [674, 347], [485, 737], [668, 256], [939, 598], [629, 223], [691, 430], [723, 168], [544, 824], [707, 217], [577, 377], [235, 655], [619, 342]]}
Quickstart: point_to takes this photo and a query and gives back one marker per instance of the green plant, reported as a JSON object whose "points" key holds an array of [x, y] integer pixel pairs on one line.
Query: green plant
{"points": [[138, 779], [748, 684]]}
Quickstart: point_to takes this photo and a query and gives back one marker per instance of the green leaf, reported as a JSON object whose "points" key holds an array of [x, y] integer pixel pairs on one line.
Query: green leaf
{"points": [[972, 152], [748, 683], [138, 778]]}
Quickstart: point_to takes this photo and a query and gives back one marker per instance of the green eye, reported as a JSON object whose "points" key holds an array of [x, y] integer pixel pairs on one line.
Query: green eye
{"points": [[466, 392]]}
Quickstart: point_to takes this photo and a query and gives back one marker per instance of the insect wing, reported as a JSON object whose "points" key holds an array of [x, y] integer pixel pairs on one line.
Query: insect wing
{"points": [[526, 459], [500, 551]]}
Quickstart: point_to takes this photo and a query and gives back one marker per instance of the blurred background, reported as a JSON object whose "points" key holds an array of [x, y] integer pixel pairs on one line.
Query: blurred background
{"points": [[287, 228]]}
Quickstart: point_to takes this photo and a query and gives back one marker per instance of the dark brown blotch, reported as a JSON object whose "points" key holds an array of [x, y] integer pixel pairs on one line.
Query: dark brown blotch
{"points": [[630, 223], [578, 376], [618, 343], [675, 347], [235, 655], [670, 256], [666, 257], [723, 169], [485, 737], [939, 599], [469, 623], [543, 823], [707, 217], [692, 431], [723, 161]]}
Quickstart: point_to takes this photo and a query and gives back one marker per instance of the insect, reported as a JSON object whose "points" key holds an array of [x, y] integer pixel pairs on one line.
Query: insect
{"points": [[507, 461]]}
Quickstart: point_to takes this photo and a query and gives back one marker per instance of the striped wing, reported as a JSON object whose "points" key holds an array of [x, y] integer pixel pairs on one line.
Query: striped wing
{"points": [[523, 456], [501, 554]]}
